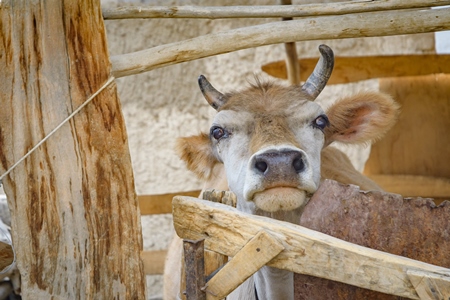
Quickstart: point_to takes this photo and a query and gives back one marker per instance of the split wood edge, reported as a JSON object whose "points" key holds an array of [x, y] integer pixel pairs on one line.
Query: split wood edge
{"points": [[266, 11], [261, 249], [316, 28], [430, 286], [194, 263], [306, 251]]}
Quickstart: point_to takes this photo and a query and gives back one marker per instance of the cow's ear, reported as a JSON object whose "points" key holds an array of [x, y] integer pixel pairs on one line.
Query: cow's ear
{"points": [[361, 118], [197, 153]]}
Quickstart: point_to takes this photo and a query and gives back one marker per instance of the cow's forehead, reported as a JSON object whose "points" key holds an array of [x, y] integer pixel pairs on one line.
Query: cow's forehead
{"points": [[265, 97], [241, 115], [232, 117]]}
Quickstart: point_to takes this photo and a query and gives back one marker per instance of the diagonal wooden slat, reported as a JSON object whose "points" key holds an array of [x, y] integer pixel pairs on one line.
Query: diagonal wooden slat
{"points": [[306, 251], [255, 254]]}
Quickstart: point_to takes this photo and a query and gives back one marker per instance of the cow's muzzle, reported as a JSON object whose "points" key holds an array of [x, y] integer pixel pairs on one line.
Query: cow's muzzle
{"points": [[279, 179]]}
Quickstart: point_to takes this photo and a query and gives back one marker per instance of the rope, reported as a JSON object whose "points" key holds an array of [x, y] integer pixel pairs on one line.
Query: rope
{"points": [[56, 128]]}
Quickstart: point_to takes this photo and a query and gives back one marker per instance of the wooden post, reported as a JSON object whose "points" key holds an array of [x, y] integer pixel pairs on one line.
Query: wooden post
{"points": [[292, 65], [195, 269], [75, 215]]}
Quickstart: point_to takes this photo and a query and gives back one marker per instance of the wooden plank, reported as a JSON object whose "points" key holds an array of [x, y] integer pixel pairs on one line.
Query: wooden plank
{"points": [[227, 230], [305, 29], [353, 69], [266, 11], [220, 196], [293, 69], [414, 185], [261, 249], [213, 260], [75, 219], [161, 204], [194, 269], [430, 286], [154, 261]]}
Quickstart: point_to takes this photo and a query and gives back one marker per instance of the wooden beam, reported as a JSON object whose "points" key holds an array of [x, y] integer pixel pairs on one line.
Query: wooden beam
{"points": [[219, 196], [317, 28], [75, 217], [253, 256], [353, 69], [306, 251], [154, 261], [161, 204], [414, 185], [430, 286], [195, 269], [293, 69], [266, 11]]}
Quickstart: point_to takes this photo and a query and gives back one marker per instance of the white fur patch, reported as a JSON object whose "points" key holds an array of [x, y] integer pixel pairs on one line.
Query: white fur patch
{"points": [[280, 199]]}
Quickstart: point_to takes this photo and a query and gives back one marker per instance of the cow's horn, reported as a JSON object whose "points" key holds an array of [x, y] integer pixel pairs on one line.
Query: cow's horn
{"points": [[318, 79], [215, 98]]}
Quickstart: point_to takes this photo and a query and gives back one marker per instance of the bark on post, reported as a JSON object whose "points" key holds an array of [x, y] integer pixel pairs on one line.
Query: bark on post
{"points": [[75, 216]]}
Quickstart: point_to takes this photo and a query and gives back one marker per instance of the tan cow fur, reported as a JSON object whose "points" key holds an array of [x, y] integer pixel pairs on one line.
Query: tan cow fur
{"points": [[356, 119]]}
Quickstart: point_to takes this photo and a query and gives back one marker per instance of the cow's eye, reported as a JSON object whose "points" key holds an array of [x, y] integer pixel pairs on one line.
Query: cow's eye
{"points": [[218, 132], [321, 122]]}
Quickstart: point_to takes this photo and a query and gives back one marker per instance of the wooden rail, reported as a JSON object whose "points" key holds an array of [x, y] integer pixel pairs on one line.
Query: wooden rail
{"points": [[304, 251], [154, 260], [357, 68], [266, 11], [312, 28], [161, 204]]}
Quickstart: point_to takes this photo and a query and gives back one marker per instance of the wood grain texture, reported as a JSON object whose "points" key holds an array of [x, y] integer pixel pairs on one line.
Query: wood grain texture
{"points": [[266, 11], [75, 216], [254, 255], [195, 269], [430, 286], [353, 69], [227, 230]]}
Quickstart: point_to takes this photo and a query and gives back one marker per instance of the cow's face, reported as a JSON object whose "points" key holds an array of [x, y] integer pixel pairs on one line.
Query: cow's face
{"points": [[270, 145], [269, 138]]}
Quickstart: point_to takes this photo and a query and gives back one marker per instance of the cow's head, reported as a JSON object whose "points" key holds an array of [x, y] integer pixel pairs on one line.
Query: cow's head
{"points": [[269, 137]]}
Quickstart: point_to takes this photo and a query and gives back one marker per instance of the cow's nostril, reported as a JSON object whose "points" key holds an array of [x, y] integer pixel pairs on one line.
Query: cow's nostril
{"points": [[261, 166], [298, 164]]}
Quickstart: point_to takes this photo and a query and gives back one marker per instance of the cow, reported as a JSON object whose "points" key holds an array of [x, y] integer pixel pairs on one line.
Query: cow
{"points": [[269, 145]]}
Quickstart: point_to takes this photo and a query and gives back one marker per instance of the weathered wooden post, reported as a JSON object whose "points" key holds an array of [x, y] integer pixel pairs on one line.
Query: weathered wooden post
{"points": [[75, 216]]}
